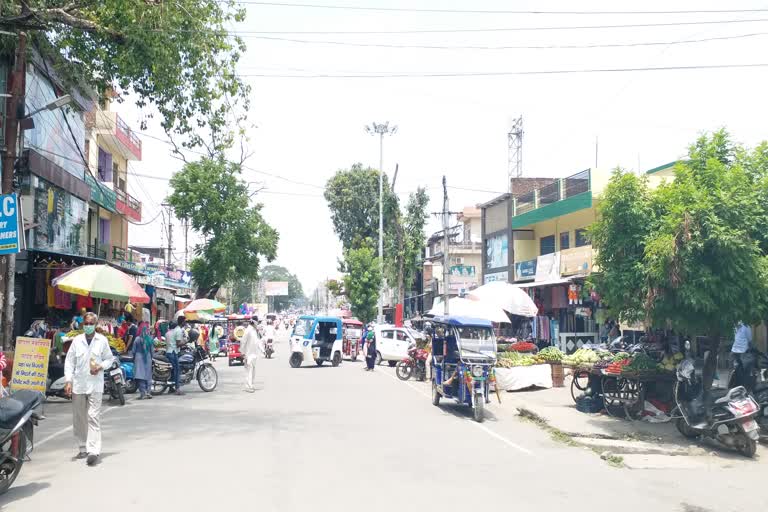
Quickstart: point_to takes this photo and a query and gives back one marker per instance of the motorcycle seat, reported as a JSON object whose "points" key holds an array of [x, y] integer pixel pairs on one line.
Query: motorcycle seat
{"points": [[13, 408], [161, 358], [126, 358], [719, 395]]}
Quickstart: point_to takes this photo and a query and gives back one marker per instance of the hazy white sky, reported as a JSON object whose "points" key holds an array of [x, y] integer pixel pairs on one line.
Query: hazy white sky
{"points": [[310, 126]]}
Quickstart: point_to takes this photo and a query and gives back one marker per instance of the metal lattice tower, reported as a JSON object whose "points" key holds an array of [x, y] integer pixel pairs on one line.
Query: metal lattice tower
{"points": [[515, 145]]}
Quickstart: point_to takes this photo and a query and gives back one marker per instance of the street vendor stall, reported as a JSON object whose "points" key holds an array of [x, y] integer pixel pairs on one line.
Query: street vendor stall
{"points": [[520, 368]]}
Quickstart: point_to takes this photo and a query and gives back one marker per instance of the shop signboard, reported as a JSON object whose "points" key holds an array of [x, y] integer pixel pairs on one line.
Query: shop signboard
{"points": [[525, 270], [102, 195], [548, 267], [156, 275], [276, 288], [497, 251], [60, 219], [9, 224], [496, 276], [576, 261], [463, 270], [30, 364], [457, 283]]}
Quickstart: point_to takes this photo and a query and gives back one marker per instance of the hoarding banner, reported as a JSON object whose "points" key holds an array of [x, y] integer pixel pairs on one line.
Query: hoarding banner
{"points": [[525, 270], [548, 267], [276, 288]]}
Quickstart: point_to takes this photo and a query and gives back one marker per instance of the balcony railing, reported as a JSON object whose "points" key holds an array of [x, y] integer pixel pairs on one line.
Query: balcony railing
{"points": [[127, 136], [95, 252], [128, 205], [557, 191]]}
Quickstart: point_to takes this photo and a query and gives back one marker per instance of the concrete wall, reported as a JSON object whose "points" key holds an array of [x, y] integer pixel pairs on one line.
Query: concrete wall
{"points": [[529, 249]]}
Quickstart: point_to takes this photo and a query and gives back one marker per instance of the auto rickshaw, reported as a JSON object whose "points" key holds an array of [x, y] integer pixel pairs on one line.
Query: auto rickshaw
{"points": [[317, 339], [353, 330], [463, 358]]}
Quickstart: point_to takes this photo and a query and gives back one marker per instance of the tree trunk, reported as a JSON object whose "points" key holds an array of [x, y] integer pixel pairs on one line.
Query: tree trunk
{"points": [[400, 263], [710, 365]]}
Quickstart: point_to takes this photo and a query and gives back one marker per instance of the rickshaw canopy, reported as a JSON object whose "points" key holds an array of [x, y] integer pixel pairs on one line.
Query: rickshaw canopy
{"points": [[461, 321]]}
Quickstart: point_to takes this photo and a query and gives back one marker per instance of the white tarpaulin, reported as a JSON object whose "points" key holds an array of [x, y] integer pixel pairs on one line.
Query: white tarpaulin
{"points": [[521, 377], [470, 308], [507, 296]]}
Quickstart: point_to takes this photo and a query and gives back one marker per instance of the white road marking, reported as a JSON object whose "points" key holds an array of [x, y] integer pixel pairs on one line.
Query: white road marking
{"points": [[485, 429], [63, 431]]}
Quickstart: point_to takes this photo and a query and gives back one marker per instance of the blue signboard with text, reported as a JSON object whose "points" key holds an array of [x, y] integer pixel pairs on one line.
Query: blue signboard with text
{"points": [[9, 224]]}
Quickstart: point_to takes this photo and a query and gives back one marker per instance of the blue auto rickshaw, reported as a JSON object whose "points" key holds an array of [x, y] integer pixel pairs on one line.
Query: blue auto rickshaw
{"points": [[318, 339], [463, 358]]}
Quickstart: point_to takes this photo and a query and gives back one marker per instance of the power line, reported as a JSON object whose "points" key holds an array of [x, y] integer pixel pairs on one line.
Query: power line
{"points": [[246, 33], [494, 11], [511, 47], [509, 73]]}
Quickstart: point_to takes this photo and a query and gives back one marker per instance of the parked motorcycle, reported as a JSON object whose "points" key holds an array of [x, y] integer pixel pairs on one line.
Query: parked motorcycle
{"points": [[728, 417], [114, 381], [126, 363], [18, 415], [415, 365], [194, 363], [751, 373]]}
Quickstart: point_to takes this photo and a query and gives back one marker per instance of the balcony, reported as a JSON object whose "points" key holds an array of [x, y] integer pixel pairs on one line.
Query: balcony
{"points": [[128, 205], [563, 196], [119, 136], [95, 252]]}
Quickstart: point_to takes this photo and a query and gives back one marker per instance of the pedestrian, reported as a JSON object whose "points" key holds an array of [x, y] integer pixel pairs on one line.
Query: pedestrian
{"points": [[77, 321], [370, 352], [742, 365], [251, 346], [269, 334], [173, 338], [130, 333], [143, 350], [88, 357]]}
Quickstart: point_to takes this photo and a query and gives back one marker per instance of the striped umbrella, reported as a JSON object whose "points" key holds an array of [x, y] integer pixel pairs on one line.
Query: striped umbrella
{"points": [[101, 282], [206, 305]]}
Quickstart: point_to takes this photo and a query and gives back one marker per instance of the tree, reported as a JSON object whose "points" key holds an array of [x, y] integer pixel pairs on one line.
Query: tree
{"points": [[176, 56], [691, 254], [362, 281], [295, 290], [405, 246], [211, 195], [353, 198]]}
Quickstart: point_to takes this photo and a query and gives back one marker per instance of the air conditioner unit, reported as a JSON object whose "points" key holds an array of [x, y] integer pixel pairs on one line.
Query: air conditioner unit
{"points": [[458, 261]]}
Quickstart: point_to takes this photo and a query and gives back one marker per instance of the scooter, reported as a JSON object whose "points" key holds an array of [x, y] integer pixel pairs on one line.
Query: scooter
{"points": [[268, 349], [751, 373], [114, 381], [18, 415], [127, 365], [728, 418], [56, 380]]}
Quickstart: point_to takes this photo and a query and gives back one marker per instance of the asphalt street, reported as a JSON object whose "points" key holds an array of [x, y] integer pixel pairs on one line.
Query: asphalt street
{"points": [[323, 438]]}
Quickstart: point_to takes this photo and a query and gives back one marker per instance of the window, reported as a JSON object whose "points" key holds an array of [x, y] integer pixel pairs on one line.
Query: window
{"points": [[565, 240], [547, 244], [581, 237], [104, 231], [390, 335], [105, 166], [401, 336]]}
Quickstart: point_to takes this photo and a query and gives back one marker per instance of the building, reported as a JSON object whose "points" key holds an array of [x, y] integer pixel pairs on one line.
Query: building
{"points": [[464, 258]]}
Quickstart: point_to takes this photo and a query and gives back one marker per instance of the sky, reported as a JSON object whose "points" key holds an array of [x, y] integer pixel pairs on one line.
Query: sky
{"points": [[313, 94]]}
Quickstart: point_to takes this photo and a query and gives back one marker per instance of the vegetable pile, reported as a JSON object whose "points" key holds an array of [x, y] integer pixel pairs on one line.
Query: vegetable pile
{"points": [[513, 359], [582, 357], [641, 362], [116, 343], [617, 367], [669, 363], [551, 355], [522, 346]]}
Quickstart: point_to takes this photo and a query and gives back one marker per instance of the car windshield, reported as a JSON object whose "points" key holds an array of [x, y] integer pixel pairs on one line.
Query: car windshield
{"points": [[477, 341], [303, 325]]}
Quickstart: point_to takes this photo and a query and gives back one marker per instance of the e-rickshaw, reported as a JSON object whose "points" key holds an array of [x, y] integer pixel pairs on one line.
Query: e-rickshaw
{"points": [[353, 330], [318, 339], [463, 358]]}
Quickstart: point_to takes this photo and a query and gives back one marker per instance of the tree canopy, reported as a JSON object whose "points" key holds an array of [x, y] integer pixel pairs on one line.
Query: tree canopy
{"points": [[403, 249], [295, 290], [176, 56], [211, 195], [362, 281]]}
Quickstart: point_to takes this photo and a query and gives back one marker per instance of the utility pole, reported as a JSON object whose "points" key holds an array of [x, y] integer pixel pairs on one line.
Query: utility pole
{"points": [[14, 110], [381, 130], [446, 260], [169, 260], [186, 244], [515, 156]]}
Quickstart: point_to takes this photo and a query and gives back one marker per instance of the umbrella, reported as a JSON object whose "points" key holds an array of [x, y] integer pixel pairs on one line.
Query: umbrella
{"points": [[206, 305], [101, 282], [471, 308], [508, 297]]}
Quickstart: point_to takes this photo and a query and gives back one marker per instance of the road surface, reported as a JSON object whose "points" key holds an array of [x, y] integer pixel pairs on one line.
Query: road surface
{"points": [[338, 439]]}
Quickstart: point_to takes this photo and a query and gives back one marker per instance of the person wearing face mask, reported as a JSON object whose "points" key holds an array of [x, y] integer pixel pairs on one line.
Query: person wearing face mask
{"points": [[88, 357]]}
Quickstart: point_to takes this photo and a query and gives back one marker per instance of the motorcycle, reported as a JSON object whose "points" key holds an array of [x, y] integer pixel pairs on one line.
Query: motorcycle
{"points": [[269, 349], [194, 363], [728, 417], [18, 415], [114, 380], [750, 372], [127, 365], [414, 365]]}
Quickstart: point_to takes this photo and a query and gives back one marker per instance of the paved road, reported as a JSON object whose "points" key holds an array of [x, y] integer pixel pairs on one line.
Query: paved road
{"points": [[337, 439]]}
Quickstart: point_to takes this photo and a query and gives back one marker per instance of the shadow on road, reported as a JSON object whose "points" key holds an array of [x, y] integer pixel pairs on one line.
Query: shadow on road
{"points": [[22, 491]]}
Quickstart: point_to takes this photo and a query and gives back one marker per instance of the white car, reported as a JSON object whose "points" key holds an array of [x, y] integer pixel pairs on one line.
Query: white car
{"points": [[392, 343]]}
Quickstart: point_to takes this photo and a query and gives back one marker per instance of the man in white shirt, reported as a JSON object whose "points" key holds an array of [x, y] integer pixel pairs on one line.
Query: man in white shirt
{"points": [[251, 346], [88, 357]]}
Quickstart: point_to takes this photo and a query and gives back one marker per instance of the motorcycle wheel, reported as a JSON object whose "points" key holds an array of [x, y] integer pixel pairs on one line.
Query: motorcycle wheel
{"points": [[747, 446], [16, 445], [354, 358], [208, 375], [479, 410], [319, 362], [685, 429], [131, 387], [157, 388], [403, 370], [435, 394], [296, 359], [336, 361], [117, 393]]}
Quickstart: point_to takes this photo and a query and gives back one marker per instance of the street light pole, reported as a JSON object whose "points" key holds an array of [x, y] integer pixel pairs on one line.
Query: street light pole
{"points": [[381, 130]]}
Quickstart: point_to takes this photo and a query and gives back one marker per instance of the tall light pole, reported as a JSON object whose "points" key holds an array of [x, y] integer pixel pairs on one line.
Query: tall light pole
{"points": [[381, 130]]}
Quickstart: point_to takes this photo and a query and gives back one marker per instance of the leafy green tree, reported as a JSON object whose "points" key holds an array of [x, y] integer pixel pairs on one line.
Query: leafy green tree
{"points": [[211, 195], [691, 252], [404, 248], [176, 56], [362, 281], [295, 290]]}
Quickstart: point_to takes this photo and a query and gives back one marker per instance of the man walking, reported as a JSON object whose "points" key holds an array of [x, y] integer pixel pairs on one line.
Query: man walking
{"points": [[173, 338], [84, 367], [251, 346]]}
